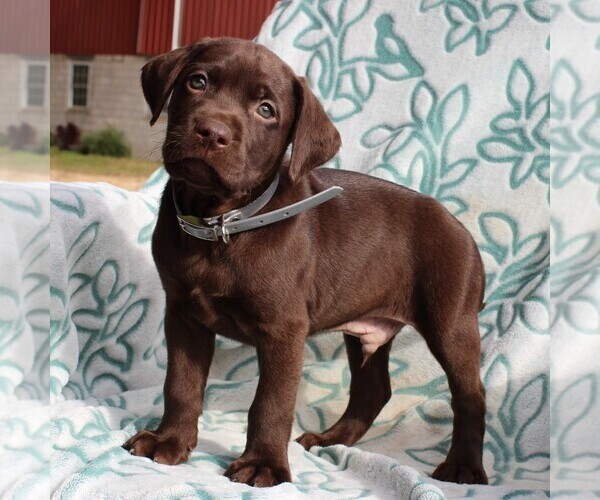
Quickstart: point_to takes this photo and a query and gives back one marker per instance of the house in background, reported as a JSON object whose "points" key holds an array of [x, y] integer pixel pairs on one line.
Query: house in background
{"points": [[98, 48], [24, 66]]}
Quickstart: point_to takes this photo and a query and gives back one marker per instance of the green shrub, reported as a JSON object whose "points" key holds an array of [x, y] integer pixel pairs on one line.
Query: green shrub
{"points": [[21, 137], [107, 142], [3, 139]]}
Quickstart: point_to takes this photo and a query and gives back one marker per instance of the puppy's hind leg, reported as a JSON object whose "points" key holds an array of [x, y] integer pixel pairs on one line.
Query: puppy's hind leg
{"points": [[369, 392], [457, 349]]}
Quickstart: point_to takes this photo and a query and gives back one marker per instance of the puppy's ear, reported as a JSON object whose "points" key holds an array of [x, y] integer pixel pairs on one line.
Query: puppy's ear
{"points": [[158, 77], [315, 139]]}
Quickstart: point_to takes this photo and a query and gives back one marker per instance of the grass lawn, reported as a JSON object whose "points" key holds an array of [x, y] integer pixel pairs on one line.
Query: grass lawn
{"points": [[128, 173], [23, 166]]}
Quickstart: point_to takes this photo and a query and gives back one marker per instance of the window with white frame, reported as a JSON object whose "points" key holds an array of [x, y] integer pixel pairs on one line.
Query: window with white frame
{"points": [[35, 95], [80, 75]]}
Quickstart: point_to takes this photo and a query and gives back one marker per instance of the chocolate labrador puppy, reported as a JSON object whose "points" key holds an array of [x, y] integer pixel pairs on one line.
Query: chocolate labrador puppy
{"points": [[373, 259]]}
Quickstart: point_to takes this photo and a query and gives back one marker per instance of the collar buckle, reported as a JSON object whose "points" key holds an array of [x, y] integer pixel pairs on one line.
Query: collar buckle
{"points": [[222, 228], [223, 218], [218, 225]]}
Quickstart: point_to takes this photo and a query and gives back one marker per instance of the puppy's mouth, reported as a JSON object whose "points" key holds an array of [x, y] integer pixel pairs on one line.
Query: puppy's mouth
{"points": [[201, 174], [190, 163]]}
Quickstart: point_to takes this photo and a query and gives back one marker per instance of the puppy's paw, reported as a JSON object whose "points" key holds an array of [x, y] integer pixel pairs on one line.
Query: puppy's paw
{"points": [[310, 439], [463, 473], [259, 473], [167, 450]]}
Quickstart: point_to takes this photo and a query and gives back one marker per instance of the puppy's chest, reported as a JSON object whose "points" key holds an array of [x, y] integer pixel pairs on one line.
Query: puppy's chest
{"points": [[220, 293], [206, 279]]}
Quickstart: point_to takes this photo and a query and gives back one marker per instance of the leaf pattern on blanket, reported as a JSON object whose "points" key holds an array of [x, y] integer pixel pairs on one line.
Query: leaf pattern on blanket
{"points": [[575, 413], [24, 343], [426, 139], [24, 308], [587, 11], [521, 134], [474, 21], [344, 83], [105, 328], [575, 279], [517, 288], [112, 310], [575, 131]]}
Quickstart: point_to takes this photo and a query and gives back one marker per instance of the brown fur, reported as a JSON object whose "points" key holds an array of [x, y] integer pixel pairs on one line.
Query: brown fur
{"points": [[379, 254]]}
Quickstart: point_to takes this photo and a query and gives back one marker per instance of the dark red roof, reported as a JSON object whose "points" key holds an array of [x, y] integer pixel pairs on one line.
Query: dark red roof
{"points": [[235, 18], [87, 27], [155, 29]]}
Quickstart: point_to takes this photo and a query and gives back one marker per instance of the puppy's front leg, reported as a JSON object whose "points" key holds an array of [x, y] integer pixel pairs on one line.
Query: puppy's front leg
{"points": [[190, 348], [264, 461]]}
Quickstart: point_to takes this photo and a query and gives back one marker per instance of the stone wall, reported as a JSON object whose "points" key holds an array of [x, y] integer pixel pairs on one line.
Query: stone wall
{"points": [[12, 96]]}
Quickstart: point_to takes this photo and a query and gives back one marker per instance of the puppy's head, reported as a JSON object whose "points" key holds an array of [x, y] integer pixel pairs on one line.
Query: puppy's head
{"points": [[234, 109]]}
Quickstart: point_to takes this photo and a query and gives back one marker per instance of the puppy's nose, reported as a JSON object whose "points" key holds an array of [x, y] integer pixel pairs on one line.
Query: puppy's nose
{"points": [[215, 135]]}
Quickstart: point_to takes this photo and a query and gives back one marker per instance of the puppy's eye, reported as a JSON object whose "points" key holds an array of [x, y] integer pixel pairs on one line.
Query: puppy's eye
{"points": [[197, 82], [266, 110]]}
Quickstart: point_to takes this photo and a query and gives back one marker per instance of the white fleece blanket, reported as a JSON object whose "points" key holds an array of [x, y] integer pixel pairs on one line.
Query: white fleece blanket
{"points": [[448, 97]]}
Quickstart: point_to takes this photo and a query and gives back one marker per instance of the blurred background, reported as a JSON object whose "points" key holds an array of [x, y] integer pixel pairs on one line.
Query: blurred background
{"points": [[83, 100], [97, 105]]}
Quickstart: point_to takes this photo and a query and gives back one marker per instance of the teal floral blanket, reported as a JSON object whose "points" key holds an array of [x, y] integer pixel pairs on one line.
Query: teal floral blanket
{"points": [[451, 98]]}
